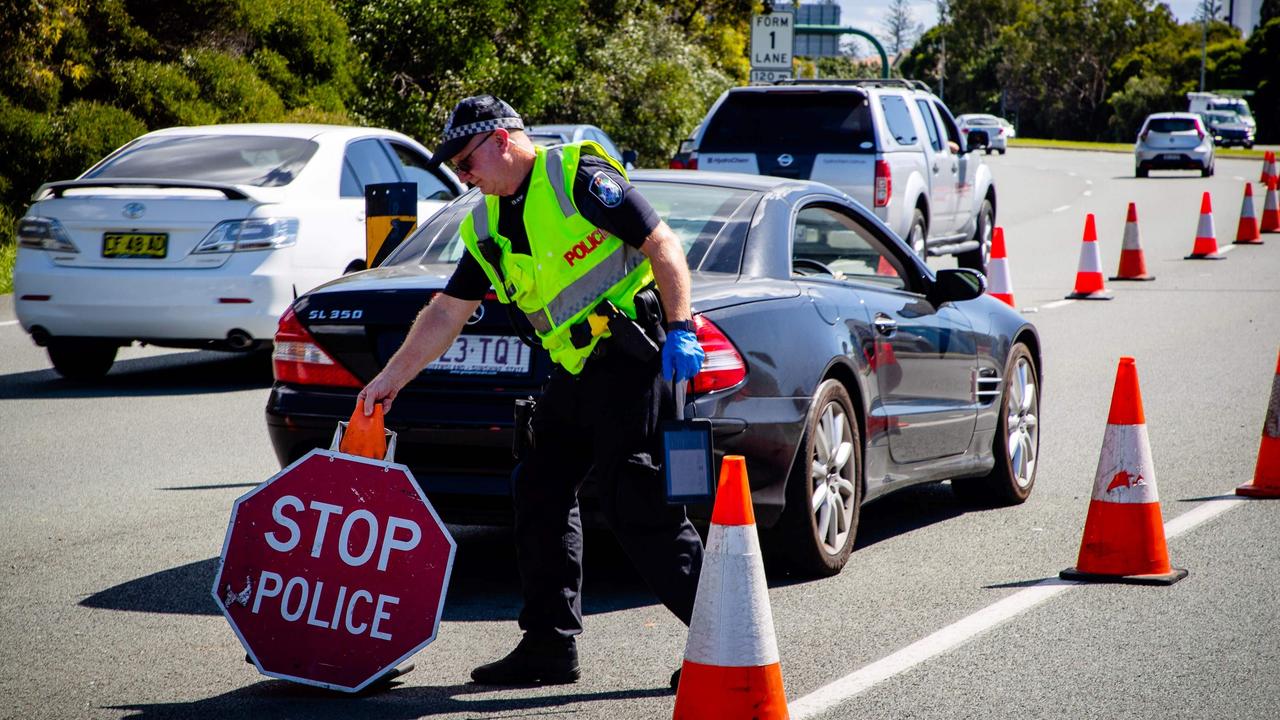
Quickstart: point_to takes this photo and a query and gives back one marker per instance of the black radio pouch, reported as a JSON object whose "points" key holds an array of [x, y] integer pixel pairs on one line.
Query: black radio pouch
{"points": [[522, 433]]}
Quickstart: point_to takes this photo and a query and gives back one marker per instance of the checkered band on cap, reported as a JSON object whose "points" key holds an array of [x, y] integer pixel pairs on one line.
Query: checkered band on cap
{"points": [[510, 123]]}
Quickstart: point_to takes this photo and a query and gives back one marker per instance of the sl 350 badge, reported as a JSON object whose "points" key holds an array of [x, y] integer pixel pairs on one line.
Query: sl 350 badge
{"points": [[606, 189]]}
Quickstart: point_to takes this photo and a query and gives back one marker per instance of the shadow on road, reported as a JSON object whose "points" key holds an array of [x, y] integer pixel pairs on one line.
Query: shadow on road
{"points": [[907, 510], [187, 373], [485, 584], [277, 698]]}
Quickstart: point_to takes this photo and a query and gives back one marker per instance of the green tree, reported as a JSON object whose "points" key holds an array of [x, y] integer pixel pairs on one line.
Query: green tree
{"points": [[1259, 63]]}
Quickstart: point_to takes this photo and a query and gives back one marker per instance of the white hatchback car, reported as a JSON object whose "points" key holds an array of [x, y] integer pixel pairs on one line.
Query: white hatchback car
{"points": [[1173, 141], [201, 237]]}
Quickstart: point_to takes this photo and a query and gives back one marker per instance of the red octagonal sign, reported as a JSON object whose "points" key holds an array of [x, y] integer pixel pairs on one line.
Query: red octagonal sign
{"points": [[334, 571]]}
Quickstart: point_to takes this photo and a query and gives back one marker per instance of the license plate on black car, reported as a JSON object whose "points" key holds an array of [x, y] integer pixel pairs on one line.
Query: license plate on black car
{"points": [[484, 355]]}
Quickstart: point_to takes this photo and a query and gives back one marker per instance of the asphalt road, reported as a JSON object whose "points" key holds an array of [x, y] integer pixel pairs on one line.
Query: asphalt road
{"points": [[116, 499]]}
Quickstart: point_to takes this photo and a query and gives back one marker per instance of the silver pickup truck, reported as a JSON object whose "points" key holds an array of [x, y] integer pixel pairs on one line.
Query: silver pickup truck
{"points": [[890, 144]]}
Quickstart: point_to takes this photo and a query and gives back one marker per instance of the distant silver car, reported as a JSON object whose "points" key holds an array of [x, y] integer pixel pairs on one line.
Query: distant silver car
{"points": [[559, 134], [1173, 141], [983, 131]]}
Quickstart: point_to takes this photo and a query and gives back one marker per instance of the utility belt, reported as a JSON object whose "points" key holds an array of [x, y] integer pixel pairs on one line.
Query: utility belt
{"points": [[639, 339]]}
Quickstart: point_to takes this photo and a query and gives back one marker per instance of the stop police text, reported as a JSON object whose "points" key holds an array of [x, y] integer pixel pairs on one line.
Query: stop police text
{"points": [[399, 534]]}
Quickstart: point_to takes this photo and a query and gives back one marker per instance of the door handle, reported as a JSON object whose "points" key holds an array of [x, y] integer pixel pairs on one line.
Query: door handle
{"points": [[885, 325], [935, 168]]}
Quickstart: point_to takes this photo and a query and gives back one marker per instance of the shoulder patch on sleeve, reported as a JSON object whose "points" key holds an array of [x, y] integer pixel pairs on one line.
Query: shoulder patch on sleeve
{"points": [[606, 189]]}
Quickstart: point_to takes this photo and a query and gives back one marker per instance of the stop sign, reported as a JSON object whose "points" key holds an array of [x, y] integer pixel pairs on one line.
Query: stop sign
{"points": [[334, 571]]}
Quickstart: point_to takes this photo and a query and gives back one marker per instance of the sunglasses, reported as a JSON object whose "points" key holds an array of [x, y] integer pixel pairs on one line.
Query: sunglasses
{"points": [[464, 165]]}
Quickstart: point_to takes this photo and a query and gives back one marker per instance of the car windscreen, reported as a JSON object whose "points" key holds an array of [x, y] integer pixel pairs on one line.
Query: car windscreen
{"points": [[792, 121], [1171, 125], [711, 222], [547, 140], [1239, 107], [232, 159]]}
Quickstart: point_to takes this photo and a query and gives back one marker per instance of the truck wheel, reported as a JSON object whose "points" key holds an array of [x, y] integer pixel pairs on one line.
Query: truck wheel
{"points": [[977, 258], [917, 234], [82, 359]]}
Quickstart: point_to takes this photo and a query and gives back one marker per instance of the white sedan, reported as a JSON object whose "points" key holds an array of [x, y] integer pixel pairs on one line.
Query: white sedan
{"points": [[201, 237]]}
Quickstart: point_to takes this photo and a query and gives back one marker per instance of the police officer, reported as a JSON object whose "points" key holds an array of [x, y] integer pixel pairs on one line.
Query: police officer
{"points": [[604, 283]]}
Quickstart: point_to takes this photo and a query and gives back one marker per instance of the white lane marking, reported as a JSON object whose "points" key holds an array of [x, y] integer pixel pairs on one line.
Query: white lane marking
{"points": [[832, 694], [1071, 173], [1203, 512], [1087, 193], [1226, 249], [1237, 177], [1088, 182], [960, 632], [1056, 304], [1061, 208], [8, 322]]}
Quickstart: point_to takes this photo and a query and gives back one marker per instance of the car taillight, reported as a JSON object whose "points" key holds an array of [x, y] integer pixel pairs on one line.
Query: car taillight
{"points": [[675, 164], [884, 184], [723, 367], [692, 164], [299, 360]]}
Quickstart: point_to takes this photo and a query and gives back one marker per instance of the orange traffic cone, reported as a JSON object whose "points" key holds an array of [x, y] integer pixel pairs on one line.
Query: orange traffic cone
{"points": [[1124, 532], [1089, 285], [999, 286], [731, 667], [1271, 210], [1268, 167], [885, 268], [1247, 229], [366, 435], [1133, 263], [1206, 247], [1266, 476]]}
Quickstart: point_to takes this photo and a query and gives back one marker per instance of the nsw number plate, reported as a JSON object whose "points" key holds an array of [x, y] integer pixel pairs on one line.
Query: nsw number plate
{"points": [[135, 245], [484, 355]]}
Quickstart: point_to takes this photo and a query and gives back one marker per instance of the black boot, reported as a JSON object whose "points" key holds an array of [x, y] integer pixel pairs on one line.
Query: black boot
{"points": [[542, 662], [675, 679]]}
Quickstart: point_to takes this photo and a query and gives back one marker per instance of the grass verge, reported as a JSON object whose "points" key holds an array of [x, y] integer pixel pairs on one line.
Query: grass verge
{"points": [[8, 251], [1118, 147]]}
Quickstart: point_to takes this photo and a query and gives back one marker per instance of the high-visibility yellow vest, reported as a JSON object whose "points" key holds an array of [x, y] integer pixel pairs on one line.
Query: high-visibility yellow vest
{"points": [[572, 264]]}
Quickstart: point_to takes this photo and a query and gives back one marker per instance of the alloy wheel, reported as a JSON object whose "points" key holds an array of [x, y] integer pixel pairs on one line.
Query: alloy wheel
{"points": [[831, 478], [1023, 423]]}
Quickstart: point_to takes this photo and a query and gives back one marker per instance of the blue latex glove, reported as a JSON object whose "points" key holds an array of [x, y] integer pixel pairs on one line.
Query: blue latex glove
{"points": [[682, 355]]}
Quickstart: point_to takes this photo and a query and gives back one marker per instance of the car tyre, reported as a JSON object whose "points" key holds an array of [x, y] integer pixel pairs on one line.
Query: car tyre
{"points": [[978, 258], [1017, 442], [824, 490], [1140, 172], [82, 359], [1002, 151], [916, 236], [988, 151], [1206, 171]]}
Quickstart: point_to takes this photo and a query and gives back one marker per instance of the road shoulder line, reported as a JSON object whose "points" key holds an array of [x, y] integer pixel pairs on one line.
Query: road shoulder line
{"points": [[961, 631]]}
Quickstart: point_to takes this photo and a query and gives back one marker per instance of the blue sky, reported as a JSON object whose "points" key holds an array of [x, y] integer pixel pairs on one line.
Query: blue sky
{"points": [[869, 14]]}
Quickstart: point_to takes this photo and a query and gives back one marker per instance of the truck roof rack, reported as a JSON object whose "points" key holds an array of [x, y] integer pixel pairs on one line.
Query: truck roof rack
{"points": [[861, 82]]}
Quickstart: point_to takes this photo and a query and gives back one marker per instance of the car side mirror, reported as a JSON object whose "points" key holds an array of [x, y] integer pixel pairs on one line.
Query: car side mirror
{"points": [[957, 285], [629, 158]]}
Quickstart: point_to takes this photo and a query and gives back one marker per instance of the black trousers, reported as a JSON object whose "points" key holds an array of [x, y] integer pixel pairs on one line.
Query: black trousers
{"points": [[604, 421]]}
